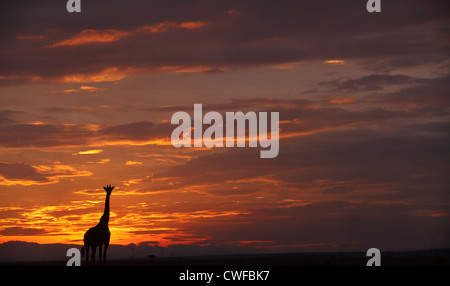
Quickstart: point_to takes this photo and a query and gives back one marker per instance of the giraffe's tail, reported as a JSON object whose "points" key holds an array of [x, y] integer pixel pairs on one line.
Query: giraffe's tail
{"points": [[82, 251]]}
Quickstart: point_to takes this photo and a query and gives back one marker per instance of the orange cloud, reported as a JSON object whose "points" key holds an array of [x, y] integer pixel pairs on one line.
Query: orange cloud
{"points": [[90, 88], [83, 88], [41, 223], [161, 141], [88, 152], [12, 182], [61, 171], [72, 90], [107, 74], [342, 100], [92, 36], [284, 67], [36, 123], [27, 175], [335, 62], [133, 163], [192, 25], [167, 25]]}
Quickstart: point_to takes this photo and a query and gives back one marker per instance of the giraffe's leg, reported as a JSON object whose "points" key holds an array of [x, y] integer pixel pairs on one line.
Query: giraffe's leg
{"points": [[104, 253], [100, 252], [94, 249], [88, 247]]}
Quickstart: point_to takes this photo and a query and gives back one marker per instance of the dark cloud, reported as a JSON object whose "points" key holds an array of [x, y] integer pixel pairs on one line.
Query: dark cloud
{"points": [[397, 96], [142, 130], [19, 171], [229, 191], [360, 156], [66, 109], [17, 231], [337, 190], [423, 93], [257, 33], [371, 82], [388, 226], [31, 135], [369, 169], [46, 135], [244, 105], [6, 116], [372, 160], [442, 127], [392, 63]]}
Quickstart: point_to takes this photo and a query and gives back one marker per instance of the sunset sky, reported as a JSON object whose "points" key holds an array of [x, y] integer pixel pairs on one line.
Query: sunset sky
{"points": [[86, 100]]}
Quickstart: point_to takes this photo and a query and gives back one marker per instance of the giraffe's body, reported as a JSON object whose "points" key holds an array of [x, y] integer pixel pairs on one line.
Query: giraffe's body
{"points": [[99, 235]]}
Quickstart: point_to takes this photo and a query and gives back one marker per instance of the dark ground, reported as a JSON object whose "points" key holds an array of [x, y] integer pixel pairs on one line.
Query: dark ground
{"points": [[436, 257], [423, 267]]}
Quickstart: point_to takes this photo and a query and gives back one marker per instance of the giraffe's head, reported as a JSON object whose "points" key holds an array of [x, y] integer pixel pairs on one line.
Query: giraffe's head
{"points": [[108, 189]]}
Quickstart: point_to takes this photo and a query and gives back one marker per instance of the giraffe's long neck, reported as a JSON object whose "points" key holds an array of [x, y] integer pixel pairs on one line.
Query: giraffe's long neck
{"points": [[105, 217]]}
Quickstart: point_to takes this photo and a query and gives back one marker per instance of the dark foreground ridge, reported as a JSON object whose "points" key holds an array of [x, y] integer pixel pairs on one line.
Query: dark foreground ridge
{"points": [[434, 257]]}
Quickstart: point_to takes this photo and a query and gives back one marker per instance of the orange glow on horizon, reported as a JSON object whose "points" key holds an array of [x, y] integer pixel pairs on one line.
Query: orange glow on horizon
{"points": [[67, 224]]}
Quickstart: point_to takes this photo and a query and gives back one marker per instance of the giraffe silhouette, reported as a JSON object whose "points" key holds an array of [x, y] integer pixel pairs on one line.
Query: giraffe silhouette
{"points": [[99, 235]]}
